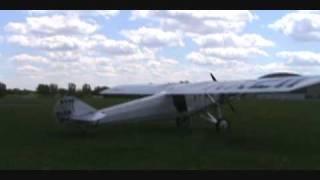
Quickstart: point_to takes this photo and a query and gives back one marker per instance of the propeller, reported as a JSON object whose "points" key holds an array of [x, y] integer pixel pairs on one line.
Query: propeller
{"points": [[223, 97], [213, 78]]}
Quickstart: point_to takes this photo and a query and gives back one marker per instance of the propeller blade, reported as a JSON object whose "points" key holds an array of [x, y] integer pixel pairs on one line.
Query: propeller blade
{"points": [[213, 78], [223, 98]]}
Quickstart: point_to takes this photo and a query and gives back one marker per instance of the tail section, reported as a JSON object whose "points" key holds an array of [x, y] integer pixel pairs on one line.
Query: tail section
{"points": [[71, 109]]}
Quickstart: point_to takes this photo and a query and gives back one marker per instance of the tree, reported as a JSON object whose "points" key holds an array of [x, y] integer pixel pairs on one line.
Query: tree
{"points": [[17, 91], [98, 89], [43, 89], [184, 82], [3, 89], [71, 88], [14, 91], [86, 89], [53, 88], [62, 91]]}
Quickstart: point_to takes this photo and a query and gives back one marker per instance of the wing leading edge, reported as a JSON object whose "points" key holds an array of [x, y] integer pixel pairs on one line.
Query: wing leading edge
{"points": [[265, 85], [136, 90]]}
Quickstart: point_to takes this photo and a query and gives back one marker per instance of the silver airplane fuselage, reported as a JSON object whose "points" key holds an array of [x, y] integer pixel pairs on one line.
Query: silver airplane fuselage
{"points": [[155, 107]]}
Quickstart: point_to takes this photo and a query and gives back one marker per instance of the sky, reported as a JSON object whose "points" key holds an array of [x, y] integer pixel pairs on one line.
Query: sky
{"points": [[112, 47]]}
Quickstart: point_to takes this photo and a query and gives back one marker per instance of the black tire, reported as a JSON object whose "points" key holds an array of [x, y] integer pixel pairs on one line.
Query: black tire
{"points": [[222, 125]]}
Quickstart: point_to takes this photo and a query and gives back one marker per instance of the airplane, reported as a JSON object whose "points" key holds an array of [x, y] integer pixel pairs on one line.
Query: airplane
{"points": [[179, 101]]}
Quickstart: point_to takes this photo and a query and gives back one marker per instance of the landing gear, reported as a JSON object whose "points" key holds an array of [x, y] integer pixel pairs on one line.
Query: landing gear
{"points": [[222, 125], [220, 122]]}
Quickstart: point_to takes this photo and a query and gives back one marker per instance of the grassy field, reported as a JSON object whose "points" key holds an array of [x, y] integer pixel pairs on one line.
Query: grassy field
{"points": [[264, 135]]}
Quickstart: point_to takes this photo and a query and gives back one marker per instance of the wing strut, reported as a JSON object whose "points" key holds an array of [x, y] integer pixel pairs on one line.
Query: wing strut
{"points": [[223, 97]]}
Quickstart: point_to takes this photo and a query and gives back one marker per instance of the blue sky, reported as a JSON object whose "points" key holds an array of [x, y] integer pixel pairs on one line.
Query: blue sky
{"points": [[124, 47]]}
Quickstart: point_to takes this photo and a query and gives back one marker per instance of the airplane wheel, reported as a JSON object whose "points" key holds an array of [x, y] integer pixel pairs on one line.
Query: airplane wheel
{"points": [[222, 125]]}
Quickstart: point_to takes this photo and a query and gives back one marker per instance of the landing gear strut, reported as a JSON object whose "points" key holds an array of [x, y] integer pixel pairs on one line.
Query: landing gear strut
{"points": [[220, 122]]}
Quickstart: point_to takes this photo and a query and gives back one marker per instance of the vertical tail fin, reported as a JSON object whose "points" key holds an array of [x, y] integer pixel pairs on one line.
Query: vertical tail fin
{"points": [[71, 109]]}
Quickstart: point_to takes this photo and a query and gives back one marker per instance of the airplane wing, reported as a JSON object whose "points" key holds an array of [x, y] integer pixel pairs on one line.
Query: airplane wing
{"points": [[264, 85], [136, 90]]}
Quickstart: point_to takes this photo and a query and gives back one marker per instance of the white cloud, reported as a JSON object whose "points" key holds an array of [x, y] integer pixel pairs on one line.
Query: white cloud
{"points": [[26, 59], [55, 42], [76, 50], [81, 54], [35, 12], [53, 25], [107, 13], [302, 62], [76, 45], [29, 69], [154, 70], [170, 61], [96, 61], [219, 56], [232, 39], [114, 47], [197, 21], [300, 58], [300, 25], [109, 71], [233, 53], [65, 56], [202, 59], [223, 44], [218, 34], [154, 37]]}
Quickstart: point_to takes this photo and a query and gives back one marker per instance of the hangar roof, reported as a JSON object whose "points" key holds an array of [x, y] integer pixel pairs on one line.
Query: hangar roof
{"points": [[278, 74]]}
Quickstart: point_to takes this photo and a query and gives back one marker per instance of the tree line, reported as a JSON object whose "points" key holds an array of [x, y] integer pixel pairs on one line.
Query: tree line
{"points": [[53, 89], [3, 89]]}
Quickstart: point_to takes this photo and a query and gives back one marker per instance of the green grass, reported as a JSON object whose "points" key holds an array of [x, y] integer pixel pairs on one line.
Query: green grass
{"points": [[265, 134]]}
